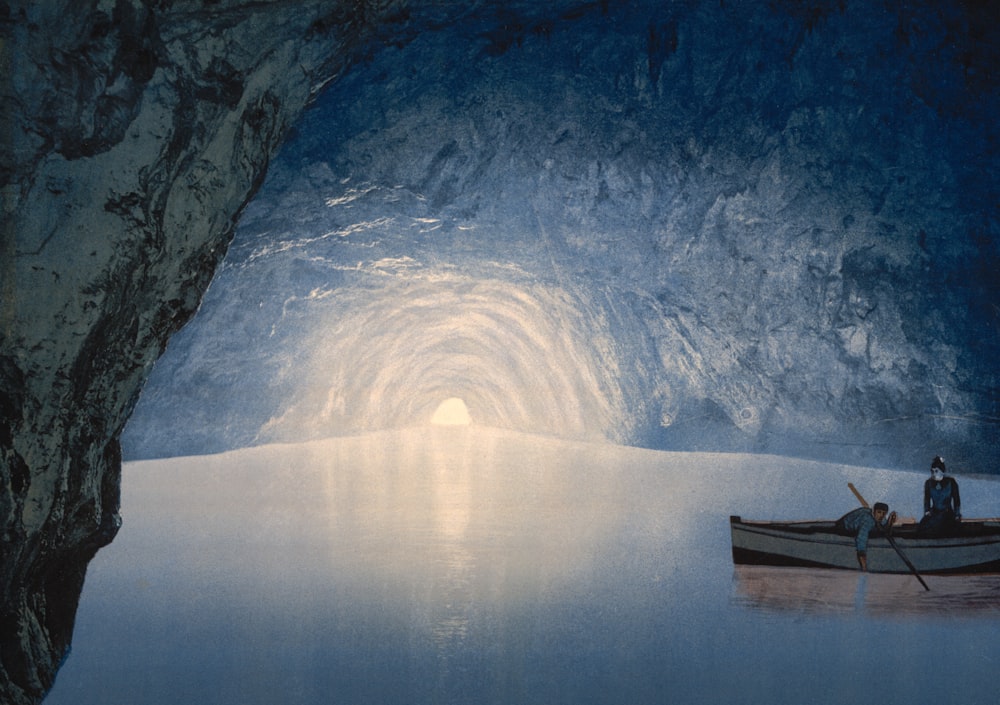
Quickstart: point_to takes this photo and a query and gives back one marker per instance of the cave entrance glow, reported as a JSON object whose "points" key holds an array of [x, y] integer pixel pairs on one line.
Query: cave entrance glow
{"points": [[451, 412]]}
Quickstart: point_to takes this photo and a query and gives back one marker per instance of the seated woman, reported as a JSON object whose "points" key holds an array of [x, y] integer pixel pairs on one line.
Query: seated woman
{"points": [[942, 502]]}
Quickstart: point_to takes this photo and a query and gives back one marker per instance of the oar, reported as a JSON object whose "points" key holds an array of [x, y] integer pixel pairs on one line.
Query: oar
{"points": [[906, 560], [892, 542]]}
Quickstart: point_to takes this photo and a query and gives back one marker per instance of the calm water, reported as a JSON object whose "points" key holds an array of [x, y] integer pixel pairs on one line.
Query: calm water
{"points": [[468, 566]]}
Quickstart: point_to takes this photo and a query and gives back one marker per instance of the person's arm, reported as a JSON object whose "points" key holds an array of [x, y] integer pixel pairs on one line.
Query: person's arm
{"points": [[957, 499], [927, 497], [861, 543]]}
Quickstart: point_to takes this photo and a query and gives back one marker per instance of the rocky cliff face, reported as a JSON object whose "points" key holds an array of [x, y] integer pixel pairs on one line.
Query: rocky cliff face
{"points": [[135, 133], [775, 238], [135, 136]]}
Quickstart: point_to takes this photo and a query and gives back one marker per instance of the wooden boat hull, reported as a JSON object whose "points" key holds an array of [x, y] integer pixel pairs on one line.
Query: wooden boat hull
{"points": [[974, 549]]}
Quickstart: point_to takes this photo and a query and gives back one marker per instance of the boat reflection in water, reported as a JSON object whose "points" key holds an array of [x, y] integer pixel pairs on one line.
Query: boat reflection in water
{"points": [[815, 590]]}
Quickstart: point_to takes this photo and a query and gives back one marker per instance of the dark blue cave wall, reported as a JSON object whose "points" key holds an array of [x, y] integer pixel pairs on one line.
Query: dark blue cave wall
{"points": [[784, 214]]}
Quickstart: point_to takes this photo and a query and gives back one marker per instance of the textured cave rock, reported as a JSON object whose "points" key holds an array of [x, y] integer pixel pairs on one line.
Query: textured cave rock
{"points": [[135, 133], [785, 226]]}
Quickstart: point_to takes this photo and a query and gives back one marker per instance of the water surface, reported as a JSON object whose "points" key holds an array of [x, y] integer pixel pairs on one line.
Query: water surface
{"points": [[461, 565]]}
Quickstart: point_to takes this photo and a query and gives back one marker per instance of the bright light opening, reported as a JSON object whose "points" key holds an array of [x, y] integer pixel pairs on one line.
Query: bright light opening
{"points": [[451, 412]]}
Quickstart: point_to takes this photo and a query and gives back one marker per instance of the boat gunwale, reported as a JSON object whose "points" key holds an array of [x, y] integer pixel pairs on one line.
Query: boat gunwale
{"points": [[974, 532]]}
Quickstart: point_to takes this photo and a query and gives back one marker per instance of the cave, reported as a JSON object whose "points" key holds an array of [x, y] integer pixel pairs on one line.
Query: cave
{"points": [[762, 228]]}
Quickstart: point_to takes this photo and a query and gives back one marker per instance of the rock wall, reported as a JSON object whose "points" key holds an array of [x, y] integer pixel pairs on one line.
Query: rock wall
{"points": [[783, 227]]}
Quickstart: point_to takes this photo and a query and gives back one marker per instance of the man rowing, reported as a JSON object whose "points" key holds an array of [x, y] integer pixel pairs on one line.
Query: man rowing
{"points": [[860, 523]]}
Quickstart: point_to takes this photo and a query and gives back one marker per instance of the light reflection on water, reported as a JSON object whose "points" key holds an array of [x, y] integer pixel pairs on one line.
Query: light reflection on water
{"points": [[777, 589], [458, 565]]}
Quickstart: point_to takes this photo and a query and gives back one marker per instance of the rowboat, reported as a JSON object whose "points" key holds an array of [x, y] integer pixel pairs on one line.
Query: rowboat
{"points": [[973, 548]]}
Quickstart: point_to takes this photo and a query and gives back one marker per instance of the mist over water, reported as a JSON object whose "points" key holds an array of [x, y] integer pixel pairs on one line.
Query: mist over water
{"points": [[460, 564]]}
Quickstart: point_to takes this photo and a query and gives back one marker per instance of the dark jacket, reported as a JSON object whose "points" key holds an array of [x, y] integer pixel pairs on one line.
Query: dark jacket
{"points": [[941, 496]]}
